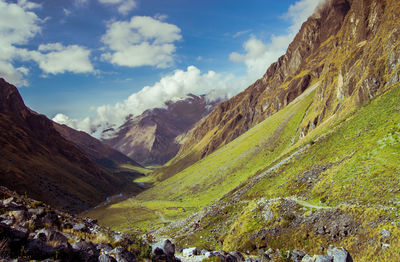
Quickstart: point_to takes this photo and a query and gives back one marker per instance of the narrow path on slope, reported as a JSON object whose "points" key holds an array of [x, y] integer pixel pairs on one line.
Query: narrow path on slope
{"points": [[306, 204]]}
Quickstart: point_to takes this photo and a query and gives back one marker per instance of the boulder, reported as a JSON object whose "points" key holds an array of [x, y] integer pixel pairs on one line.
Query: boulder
{"points": [[166, 246], [105, 248], [323, 258], [38, 249], [80, 227], [47, 234], [19, 215], [36, 211], [385, 233], [122, 255], [297, 255], [339, 254], [239, 257], [106, 258], [51, 220], [85, 251], [308, 258], [188, 252]]}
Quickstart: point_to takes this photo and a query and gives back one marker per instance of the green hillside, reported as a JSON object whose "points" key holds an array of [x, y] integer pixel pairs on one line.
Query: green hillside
{"points": [[349, 165]]}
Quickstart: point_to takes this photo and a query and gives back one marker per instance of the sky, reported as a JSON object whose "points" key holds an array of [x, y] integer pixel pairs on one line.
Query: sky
{"points": [[90, 63]]}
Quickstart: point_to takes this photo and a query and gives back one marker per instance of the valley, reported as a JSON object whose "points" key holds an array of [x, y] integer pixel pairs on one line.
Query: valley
{"points": [[303, 165]]}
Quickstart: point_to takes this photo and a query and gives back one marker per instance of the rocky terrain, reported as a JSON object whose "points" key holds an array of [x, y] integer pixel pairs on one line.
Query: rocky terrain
{"points": [[32, 230], [154, 137]]}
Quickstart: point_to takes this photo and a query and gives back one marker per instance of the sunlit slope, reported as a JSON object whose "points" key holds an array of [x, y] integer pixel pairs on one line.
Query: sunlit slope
{"points": [[341, 188], [217, 174]]}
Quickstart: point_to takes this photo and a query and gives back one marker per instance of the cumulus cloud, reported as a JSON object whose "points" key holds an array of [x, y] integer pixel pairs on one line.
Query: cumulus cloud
{"points": [[171, 87], [57, 59], [124, 6], [258, 55], [18, 25], [142, 41]]}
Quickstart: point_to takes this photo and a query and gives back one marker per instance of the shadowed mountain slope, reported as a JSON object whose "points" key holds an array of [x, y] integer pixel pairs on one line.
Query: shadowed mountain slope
{"points": [[98, 151], [37, 160]]}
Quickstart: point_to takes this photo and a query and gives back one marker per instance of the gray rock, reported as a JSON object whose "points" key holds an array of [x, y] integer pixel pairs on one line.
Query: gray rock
{"points": [[85, 251], [123, 255], [239, 257], [323, 258], [297, 255], [106, 258], [80, 227], [38, 249], [192, 251], [203, 252], [308, 258], [36, 211], [385, 233], [166, 246], [19, 215], [339, 254], [106, 248], [18, 232], [209, 254], [47, 234]]}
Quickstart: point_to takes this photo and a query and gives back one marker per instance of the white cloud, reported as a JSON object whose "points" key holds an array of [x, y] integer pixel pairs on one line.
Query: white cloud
{"points": [[142, 41], [258, 55], [18, 25], [58, 59], [124, 6], [170, 87]]}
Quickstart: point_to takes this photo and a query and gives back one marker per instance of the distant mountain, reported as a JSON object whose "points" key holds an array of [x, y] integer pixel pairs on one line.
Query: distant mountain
{"points": [[104, 155], [155, 136], [37, 160]]}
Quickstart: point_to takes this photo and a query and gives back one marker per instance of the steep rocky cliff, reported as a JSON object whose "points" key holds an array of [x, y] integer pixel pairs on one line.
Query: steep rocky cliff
{"points": [[37, 160], [349, 47], [153, 137]]}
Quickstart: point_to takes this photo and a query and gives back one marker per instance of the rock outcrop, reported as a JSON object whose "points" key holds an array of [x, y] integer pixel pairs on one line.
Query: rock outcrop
{"points": [[31, 230]]}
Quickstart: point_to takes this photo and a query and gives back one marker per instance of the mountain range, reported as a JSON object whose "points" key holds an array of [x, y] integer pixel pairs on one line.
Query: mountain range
{"points": [[304, 160], [155, 136]]}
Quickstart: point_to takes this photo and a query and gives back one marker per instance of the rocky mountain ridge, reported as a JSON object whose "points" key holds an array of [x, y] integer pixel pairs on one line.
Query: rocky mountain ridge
{"points": [[153, 137]]}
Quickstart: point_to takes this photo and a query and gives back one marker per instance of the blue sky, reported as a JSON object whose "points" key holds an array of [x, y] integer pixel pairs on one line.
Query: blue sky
{"points": [[91, 59]]}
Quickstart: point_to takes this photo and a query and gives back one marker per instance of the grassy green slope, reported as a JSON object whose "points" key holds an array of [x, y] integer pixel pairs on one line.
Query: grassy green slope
{"points": [[212, 177], [350, 166]]}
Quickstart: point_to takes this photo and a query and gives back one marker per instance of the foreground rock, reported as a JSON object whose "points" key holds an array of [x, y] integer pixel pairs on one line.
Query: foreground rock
{"points": [[31, 230]]}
